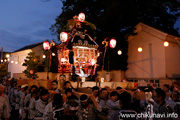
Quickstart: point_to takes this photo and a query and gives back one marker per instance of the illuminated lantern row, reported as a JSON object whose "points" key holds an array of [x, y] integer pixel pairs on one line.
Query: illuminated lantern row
{"points": [[166, 44], [46, 45], [63, 36]]}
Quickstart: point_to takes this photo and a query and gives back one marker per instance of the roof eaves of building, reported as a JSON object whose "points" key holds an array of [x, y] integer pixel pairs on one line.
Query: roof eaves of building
{"points": [[28, 47]]}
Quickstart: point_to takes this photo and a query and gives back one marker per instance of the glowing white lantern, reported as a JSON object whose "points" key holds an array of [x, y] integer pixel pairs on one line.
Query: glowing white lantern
{"points": [[139, 49], [63, 36], [7, 55], [166, 43], [12, 61], [5, 60], [46, 45], [83, 79], [112, 43], [16, 62], [1, 60], [31, 72], [119, 52], [81, 17]]}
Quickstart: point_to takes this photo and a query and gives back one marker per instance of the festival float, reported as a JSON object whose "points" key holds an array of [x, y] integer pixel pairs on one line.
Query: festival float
{"points": [[78, 50]]}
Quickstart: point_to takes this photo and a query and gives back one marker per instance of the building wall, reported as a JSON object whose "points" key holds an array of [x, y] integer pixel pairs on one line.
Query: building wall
{"points": [[38, 51], [19, 57], [172, 58], [16, 61], [150, 63], [115, 75]]}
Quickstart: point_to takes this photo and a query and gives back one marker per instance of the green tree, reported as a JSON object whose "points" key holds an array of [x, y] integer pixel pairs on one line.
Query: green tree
{"points": [[3, 71], [32, 64], [117, 18]]}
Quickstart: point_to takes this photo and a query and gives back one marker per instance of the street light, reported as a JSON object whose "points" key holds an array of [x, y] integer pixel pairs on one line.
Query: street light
{"points": [[46, 47]]}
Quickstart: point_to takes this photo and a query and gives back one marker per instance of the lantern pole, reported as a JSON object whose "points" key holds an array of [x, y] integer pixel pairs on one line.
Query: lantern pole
{"points": [[48, 65], [46, 47]]}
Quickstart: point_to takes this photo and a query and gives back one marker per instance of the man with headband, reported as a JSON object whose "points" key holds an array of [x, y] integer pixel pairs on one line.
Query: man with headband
{"points": [[86, 110]]}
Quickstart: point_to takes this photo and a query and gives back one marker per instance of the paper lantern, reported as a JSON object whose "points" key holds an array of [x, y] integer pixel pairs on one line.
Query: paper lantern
{"points": [[112, 43], [31, 72], [166, 43], [46, 45], [63, 36], [119, 52], [53, 54], [7, 55], [44, 56], [81, 17], [139, 49]]}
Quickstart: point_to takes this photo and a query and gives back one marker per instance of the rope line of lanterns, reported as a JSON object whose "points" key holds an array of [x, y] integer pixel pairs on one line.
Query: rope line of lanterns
{"points": [[166, 44]]}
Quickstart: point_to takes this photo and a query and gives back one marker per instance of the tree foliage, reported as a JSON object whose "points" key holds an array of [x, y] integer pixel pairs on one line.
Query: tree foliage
{"points": [[32, 64], [117, 18], [3, 71]]}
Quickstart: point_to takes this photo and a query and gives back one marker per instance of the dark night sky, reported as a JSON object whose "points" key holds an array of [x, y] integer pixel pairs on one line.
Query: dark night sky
{"points": [[24, 22]]}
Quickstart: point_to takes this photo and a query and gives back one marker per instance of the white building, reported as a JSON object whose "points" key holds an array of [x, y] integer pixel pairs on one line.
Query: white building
{"points": [[155, 61], [17, 57]]}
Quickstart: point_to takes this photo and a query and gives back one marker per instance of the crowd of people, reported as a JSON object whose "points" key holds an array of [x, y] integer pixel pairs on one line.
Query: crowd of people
{"points": [[38, 103]]}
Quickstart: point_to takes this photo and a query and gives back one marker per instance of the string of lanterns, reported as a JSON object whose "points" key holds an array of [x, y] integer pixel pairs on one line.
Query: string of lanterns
{"points": [[166, 44]]}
